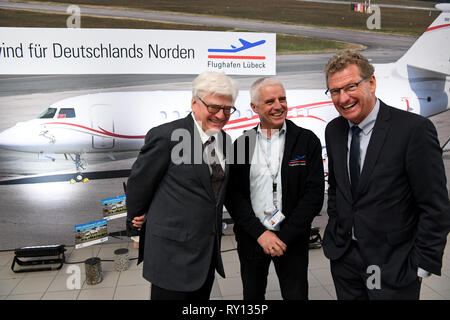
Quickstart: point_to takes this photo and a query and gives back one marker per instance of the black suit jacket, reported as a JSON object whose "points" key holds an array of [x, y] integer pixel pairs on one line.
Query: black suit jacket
{"points": [[182, 231], [302, 185], [401, 212]]}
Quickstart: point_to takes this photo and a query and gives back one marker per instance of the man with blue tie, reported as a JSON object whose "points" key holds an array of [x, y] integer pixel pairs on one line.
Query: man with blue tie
{"points": [[388, 206]]}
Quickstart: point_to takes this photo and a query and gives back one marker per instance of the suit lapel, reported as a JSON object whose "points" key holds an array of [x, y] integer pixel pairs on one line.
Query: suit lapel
{"points": [[201, 169], [243, 153], [227, 145], [251, 144], [340, 161], [375, 145], [292, 133]]}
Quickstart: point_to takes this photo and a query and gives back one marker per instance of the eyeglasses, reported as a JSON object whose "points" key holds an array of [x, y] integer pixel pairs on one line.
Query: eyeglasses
{"points": [[352, 87], [214, 108]]}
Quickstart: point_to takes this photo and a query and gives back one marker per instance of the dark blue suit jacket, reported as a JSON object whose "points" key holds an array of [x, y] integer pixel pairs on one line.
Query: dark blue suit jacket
{"points": [[401, 211]]}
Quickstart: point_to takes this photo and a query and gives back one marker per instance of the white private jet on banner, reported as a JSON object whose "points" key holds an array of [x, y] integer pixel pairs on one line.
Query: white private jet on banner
{"points": [[111, 122]]}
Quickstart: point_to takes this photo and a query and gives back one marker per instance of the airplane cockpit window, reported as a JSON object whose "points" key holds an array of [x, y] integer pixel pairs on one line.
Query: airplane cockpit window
{"points": [[47, 113], [66, 113]]}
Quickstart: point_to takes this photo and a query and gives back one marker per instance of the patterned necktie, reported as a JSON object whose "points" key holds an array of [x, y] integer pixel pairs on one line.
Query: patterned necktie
{"points": [[354, 161], [217, 173]]}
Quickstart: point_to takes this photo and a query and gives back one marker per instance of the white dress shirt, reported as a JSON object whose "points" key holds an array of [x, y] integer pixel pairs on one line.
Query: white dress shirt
{"points": [[261, 176], [204, 137]]}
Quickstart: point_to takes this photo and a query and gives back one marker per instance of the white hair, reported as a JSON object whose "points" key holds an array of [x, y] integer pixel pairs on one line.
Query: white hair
{"points": [[214, 83], [260, 83]]}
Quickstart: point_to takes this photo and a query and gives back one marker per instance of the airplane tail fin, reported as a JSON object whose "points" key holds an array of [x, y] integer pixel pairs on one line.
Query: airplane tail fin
{"points": [[432, 50]]}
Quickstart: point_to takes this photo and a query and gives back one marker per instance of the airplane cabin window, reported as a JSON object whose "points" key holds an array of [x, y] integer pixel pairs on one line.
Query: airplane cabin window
{"points": [[66, 113], [235, 115], [47, 113]]}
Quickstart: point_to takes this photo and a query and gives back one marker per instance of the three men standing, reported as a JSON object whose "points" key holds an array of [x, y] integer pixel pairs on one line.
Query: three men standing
{"points": [[388, 204]]}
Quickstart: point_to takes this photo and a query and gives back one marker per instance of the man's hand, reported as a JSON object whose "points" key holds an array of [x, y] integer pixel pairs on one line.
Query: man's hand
{"points": [[138, 221], [271, 244]]}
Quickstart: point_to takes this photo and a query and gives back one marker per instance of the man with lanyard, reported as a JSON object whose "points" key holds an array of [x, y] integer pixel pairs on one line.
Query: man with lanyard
{"points": [[276, 189]]}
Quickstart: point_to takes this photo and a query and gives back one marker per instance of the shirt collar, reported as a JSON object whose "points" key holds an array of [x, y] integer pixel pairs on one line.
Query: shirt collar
{"points": [[369, 122], [281, 132], [203, 136]]}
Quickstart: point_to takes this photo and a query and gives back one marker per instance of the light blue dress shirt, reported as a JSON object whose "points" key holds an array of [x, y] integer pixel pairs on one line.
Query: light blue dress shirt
{"points": [[367, 126]]}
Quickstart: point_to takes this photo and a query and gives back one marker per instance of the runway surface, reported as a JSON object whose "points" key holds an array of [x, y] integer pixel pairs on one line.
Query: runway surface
{"points": [[34, 212], [362, 37]]}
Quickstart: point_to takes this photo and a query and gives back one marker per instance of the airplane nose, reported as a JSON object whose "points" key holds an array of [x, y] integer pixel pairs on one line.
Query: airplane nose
{"points": [[6, 139], [21, 137]]}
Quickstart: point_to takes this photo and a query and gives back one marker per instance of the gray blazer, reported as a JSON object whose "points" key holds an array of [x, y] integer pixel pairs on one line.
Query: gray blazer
{"points": [[181, 234]]}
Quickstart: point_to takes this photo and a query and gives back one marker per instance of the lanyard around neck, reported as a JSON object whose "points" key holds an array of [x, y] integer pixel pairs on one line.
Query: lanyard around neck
{"points": [[273, 175]]}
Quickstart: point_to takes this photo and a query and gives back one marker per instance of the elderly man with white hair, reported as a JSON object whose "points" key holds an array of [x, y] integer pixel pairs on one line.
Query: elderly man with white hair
{"points": [[176, 191]]}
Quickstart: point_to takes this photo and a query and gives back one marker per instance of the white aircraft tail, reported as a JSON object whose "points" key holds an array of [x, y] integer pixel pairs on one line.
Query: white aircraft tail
{"points": [[432, 50]]}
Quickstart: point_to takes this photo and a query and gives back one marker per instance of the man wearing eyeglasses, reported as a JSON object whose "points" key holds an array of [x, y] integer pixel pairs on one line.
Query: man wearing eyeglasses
{"points": [[388, 207], [176, 190], [276, 189]]}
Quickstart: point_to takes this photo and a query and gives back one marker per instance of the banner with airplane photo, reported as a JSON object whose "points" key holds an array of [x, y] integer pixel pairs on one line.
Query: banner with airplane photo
{"points": [[114, 208], [90, 233]]}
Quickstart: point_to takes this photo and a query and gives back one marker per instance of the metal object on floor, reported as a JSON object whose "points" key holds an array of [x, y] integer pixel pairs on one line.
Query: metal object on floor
{"points": [[93, 271], [121, 259], [38, 258], [315, 239]]}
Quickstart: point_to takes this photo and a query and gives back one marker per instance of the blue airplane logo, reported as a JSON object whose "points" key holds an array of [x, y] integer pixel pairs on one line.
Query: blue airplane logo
{"points": [[245, 45], [299, 158]]}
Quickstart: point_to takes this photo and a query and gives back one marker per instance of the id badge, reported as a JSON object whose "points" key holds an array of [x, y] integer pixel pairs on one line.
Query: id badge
{"points": [[273, 221]]}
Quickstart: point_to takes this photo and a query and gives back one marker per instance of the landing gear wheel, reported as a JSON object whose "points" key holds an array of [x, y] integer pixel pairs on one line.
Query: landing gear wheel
{"points": [[79, 178], [80, 165]]}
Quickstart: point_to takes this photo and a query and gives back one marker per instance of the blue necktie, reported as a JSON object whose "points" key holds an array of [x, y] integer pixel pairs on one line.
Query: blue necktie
{"points": [[354, 161]]}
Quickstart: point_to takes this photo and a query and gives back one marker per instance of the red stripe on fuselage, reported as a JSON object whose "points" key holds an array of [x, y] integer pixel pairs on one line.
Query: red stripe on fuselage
{"points": [[103, 131], [438, 27]]}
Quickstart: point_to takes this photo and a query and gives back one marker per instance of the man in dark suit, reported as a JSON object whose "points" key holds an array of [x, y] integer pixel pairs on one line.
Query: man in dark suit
{"points": [[277, 172], [388, 206], [177, 188]]}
